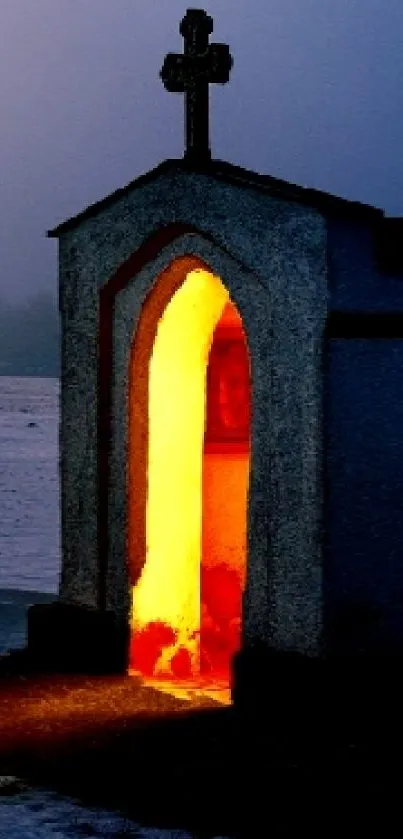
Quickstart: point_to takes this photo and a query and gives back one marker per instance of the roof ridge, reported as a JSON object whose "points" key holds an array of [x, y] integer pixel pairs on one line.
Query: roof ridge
{"points": [[323, 201]]}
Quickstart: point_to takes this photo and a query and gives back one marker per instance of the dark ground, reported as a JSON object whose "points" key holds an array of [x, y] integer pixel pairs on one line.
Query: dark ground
{"points": [[114, 743], [325, 762]]}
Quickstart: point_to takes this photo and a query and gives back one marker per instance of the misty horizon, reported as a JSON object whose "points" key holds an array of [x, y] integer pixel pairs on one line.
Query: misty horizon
{"points": [[30, 336]]}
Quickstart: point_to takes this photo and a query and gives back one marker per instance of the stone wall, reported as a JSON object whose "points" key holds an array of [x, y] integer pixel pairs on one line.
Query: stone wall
{"points": [[271, 254]]}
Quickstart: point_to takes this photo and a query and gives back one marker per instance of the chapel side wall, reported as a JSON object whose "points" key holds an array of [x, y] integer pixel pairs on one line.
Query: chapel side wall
{"points": [[355, 282], [78, 303], [364, 439]]}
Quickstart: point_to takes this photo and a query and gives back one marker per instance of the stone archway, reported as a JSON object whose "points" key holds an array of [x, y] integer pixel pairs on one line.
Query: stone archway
{"points": [[128, 305], [188, 469]]}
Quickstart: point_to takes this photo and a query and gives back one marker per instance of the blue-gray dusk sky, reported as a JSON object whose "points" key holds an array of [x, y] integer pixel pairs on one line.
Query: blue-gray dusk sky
{"points": [[315, 97]]}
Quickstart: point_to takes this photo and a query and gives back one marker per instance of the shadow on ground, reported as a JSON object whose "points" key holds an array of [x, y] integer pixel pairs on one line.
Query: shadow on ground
{"points": [[114, 743], [316, 752]]}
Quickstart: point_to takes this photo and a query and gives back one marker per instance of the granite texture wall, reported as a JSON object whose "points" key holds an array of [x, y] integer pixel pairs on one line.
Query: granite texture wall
{"points": [[271, 255]]}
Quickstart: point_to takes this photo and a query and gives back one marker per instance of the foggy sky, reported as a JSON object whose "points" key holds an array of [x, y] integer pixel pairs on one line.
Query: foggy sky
{"points": [[315, 97]]}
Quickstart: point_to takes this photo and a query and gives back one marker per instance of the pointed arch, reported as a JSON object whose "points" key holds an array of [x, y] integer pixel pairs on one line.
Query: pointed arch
{"points": [[121, 302], [187, 582]]}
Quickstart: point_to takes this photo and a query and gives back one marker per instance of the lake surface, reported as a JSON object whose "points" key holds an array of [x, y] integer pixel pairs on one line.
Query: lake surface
{"points": [[29, 484], [30, 557]]}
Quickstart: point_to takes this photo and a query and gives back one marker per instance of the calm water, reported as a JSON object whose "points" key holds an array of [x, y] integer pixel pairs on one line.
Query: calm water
{"points": [[29, 484]]}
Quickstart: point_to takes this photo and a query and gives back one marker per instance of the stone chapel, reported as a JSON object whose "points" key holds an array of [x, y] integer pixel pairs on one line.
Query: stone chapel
{"points": [[231, 418]]}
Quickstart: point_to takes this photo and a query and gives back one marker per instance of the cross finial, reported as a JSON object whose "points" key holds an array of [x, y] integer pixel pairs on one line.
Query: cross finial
{"points": [[191, 73]]}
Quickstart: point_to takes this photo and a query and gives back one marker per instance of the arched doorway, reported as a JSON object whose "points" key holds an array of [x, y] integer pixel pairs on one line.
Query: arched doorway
{"points": [[189, 431]]}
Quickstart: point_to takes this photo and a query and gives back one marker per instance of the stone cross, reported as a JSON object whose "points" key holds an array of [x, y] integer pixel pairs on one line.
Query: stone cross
{"points": [[191, 73]]}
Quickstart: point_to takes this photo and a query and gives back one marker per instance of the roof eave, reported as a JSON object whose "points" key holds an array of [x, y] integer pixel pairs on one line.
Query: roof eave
{"points": [[94, 209]]}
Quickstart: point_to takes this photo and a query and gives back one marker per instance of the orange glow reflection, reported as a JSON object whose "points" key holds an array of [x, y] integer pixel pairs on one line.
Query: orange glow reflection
{"points": [[186, 604]]}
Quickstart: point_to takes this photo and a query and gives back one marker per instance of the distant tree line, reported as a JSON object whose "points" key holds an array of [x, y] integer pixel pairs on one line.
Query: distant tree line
{"points": [[30, 336]]}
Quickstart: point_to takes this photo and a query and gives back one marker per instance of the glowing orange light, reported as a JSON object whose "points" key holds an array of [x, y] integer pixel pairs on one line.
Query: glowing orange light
{"points": [[186, 605]]}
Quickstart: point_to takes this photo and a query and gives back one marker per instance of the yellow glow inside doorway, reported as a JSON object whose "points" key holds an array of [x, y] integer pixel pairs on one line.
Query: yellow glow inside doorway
{"points": [[168, 591]]}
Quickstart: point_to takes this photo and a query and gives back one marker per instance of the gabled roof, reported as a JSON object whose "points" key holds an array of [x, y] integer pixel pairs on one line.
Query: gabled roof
{"points": [[236, 175]]}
